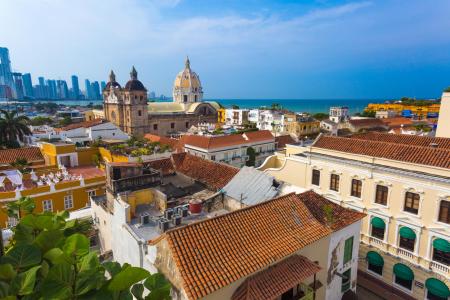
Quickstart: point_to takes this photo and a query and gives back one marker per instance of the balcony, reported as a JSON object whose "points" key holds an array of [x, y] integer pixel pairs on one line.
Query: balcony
{"points": [[377, 243], [305, 292], [440, 268], [407, 255], [135, 182]]}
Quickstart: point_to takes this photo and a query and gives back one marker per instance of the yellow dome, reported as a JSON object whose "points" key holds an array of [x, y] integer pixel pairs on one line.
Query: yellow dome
{"points": [[187, 79]]}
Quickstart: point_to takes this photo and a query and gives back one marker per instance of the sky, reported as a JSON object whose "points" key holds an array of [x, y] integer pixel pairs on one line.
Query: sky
{"points": [[248, 49]]}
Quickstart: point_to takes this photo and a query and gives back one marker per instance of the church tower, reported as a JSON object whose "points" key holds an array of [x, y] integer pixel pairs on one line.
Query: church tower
{"points": [[187, 88], [127, 107]]}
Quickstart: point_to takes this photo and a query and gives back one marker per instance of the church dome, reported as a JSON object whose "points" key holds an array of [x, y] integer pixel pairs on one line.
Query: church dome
{"points": [[112, 81], [134, 84], [187, 79]]}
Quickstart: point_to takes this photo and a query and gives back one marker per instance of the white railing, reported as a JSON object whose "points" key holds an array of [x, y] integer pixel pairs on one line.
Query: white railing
{"points": [[405, 253], [439, 268], [376, 242]]}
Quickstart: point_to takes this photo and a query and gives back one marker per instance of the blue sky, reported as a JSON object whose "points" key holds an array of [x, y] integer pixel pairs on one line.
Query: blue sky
{"points": [[240, 49]]}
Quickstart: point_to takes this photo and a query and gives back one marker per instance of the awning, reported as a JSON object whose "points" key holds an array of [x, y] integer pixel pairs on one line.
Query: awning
{"points": [[441, 244], [407, 233], [437, 288], [404, 272], [375, 259], [378, 223]]}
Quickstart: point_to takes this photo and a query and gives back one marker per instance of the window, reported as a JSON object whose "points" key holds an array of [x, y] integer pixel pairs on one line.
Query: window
{"points": [[407, 244], [375, 262], [378, 227], [184, 98], [381, 194], [47, 205], [316, 177], [440, 251], [195, 98], [375, 268], [356, 188], [213, 157], [68, 202], [407, 284], [139, 113], [334, 182], [187, 124], [172, 125], [346, 280], [155, 126], [91, 194], [348, 250], [412, 201], [444, 212], [378, 233], [403, 276]]}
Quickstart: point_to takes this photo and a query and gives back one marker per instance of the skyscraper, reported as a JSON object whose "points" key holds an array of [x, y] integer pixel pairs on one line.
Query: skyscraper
{"points": [[88, 93], [75, 87], [42, 88], [6, 77], [95, 87], [52, 90], [18, 85], [27, 85], [103, 85]]}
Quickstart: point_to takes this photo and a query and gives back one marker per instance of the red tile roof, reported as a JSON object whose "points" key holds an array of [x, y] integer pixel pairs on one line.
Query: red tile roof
{"points": [[340, 217], [397, 122], [282, 140], [165, 165], [214, 175], [213, 253], [85, 124], [31, 154], [277, 279], [371, 122], [259, 135], [162, 140], [437, 157], [413, 140]]}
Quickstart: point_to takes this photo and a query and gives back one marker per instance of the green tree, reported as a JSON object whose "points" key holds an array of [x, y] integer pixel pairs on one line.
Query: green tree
{"points": [[38, 121], [50, 259], [320, 116], [447, 90], [65, 121], [22, 165], [251, 157], [234, 106], [13, 127], [368, 114]]}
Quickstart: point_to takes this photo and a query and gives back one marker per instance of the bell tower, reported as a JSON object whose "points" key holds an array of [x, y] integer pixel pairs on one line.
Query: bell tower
{"points": [[135, 109]]}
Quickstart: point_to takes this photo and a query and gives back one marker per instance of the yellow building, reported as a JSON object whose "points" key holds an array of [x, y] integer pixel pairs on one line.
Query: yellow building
{"points": [[420, 110], [301, 126], [64, 179], [402, 183], [221, 118]]}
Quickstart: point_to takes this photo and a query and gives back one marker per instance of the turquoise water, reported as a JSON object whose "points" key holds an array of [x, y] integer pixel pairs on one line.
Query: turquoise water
{"points": [[296, 105]]}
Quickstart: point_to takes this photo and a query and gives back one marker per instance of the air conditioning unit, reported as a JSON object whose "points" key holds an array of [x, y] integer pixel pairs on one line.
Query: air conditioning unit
{"points": [[145, 218], [176, 220], [163, 224], [184, 211], [168, 213]]}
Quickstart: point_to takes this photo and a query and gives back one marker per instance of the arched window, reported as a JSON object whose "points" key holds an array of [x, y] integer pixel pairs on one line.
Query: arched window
{"points": [[441, 251], [404, 276], [195, 98], [139, 113], [375, 262], [185, 98], [444, 212], [436, 289], [378, 227]]}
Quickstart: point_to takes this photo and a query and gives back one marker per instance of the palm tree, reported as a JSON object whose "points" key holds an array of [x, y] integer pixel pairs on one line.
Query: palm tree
{"points": [[13, 127]]}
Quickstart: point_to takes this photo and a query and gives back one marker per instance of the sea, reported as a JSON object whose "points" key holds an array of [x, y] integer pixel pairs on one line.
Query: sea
{"points": [[296, 105]]}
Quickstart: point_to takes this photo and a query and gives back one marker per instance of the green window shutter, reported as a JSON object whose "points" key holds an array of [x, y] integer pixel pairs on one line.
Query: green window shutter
{"points": [[378, 223], [437, 288], [348, 250], [441, 245], [404, 272], [407, 233], [375, 259]]}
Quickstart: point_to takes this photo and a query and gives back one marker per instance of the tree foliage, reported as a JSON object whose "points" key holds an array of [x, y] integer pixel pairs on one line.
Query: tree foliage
{"points": [[251, 157], [39, 120], [13, 128], [320, 116], [50, 259]]}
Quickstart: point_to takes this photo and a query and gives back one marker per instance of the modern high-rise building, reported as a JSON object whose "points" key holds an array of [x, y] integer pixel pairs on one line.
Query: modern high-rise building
{"points": [[27, 85], [18, 85], [42, 88], [6, 77], [62, 89], [102, 85], [75, 87], [52, 90], [88, 92], [95, 88]]}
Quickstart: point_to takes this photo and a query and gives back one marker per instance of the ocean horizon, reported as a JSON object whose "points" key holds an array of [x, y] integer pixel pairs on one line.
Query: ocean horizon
{"points": [[296, 105]]}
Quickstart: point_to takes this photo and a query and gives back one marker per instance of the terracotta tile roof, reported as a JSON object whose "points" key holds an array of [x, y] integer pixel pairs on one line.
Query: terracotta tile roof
{"points": [[413, 140], [341, 217], [282, 140], [397, 122], [162, 140], [86, 124], [277, 279], [371, 122], [260, 135], [213, 253], [165, 165], [31, 154], [214, 175], [437, 157]]}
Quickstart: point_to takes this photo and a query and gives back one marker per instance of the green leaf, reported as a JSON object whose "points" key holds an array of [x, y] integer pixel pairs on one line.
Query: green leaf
{"points": [[47, 240], [126, 278], [4, 289], [7, 272], [112, 267], [89, 280], [23, 283], [137, 290], [155, 281], [57, 256], [76, 244], [23, 234], [58, 283], [89, 262], [44, 269], [160, 294], [22, 256]]}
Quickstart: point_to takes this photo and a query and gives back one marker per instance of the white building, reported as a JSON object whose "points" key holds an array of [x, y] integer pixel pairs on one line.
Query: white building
{"points": [[339, 114], [236, 117], [271, 120], [443, 128], [231, 149]]}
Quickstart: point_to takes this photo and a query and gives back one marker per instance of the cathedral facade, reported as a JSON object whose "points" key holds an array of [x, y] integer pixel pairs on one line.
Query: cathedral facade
{"points": [[129, 109]]}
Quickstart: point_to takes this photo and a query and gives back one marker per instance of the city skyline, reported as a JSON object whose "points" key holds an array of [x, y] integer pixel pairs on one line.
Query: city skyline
{"points": [[256, 49]]}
